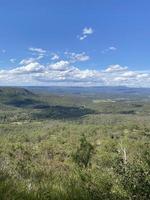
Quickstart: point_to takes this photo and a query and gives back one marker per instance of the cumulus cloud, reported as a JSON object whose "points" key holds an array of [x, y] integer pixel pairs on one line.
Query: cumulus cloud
{"points": [[121, 75], [61, 71], [54, 56], [116, 68], [130, 74], [85, 33], [28, 69], [77, 57], [65, 72], [60, 66], [27, 61]]}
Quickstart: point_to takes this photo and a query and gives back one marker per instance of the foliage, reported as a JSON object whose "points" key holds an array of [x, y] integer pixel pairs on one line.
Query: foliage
{"points": [[84, 153], [55, 155]]}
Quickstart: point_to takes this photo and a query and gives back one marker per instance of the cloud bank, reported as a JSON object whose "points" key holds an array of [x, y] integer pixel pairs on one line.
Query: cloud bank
{"points": [[65, 69], [66, 72]]}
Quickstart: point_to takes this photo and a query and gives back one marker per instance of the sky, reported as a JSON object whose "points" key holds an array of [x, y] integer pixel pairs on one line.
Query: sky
{"points": [[75, 43]]}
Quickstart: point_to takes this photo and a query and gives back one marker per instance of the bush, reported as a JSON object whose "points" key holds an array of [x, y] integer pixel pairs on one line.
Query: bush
{"points": [[84, 153]]}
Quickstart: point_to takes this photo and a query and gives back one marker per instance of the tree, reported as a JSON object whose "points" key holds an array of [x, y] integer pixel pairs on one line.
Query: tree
{"points": [[84, 153]]}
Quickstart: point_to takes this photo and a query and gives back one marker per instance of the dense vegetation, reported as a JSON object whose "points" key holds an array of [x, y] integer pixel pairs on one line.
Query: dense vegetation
{"points": [[73, 147]]}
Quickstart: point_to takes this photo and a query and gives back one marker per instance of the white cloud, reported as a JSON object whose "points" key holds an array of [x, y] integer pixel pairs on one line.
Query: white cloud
{"points": [[70, 75], [29, 68], [85, 32], [143, 75], [115, 68], [61, 71], [27, 61], [111, 48], [82, 37], [37, 50], [130, 74], [80, 57], [64, 72], [30, 60], [77, 57], [60, 66], [54, 56], [120, 79]]}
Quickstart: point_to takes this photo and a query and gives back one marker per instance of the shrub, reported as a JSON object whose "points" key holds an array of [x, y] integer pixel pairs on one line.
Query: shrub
{"points": [[84, 153]]}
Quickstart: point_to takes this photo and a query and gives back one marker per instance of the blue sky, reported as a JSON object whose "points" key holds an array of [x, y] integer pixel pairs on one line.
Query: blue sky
{"points": [[92, 42]]}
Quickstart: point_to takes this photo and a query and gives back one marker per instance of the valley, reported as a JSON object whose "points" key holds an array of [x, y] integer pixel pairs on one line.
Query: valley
{"points": [[68, 145]]}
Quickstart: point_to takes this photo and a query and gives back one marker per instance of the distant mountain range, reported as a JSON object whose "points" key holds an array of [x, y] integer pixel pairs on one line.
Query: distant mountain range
{"points": [[100, 92], [104, 91]]}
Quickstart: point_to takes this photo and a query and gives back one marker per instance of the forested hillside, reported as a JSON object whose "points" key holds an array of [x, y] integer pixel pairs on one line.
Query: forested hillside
{"points": [[70, 147]]}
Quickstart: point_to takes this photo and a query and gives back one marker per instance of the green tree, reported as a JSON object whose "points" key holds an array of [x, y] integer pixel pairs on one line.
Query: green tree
{"points": [[84, 153]]}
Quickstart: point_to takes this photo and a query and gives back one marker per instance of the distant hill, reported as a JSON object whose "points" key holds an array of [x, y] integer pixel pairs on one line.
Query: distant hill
{"points": [[19, 103], [14, 91], [17, 97], [102, 92]]}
